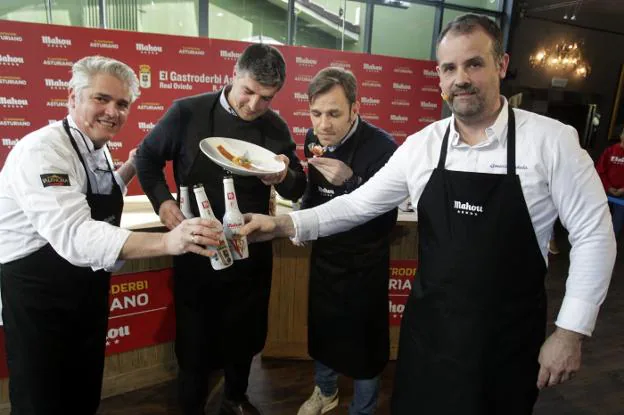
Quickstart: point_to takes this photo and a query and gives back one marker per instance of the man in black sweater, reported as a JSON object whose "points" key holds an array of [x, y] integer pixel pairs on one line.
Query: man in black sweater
{"points": [[348, 296], [221, 316]]}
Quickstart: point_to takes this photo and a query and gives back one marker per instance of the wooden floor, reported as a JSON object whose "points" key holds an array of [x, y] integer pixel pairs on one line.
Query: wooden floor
{"points": [[279, 387]]}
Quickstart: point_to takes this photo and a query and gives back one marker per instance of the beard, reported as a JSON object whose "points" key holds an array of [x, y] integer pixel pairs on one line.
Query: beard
{"points": [[467, 106]]}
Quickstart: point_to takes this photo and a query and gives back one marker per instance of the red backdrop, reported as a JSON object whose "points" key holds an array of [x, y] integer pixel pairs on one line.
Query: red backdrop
{"points": [[398, 95]]}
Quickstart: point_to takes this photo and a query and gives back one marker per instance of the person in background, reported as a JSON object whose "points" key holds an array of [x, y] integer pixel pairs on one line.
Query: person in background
{"points": [[348, 295], [610, 167], [221, 316], [60, 209], [488, 184]]}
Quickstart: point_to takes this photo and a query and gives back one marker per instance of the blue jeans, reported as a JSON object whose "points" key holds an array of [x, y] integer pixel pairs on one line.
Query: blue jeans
{"points": [[365, 391], [617, 211]]}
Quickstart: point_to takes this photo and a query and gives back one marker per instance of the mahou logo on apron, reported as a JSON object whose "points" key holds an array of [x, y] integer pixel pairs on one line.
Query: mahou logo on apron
{"points": [[466, 208]]}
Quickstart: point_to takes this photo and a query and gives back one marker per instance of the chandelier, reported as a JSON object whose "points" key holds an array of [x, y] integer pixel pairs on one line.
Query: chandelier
{"points": [[564, 56]]}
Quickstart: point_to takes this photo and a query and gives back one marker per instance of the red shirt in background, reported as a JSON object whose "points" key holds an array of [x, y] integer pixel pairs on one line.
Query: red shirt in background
{"points": [[610, 167]]}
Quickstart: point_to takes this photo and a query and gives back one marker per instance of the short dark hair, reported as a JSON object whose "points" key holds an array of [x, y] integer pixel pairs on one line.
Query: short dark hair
{"points": [[329, 77], [264, 63], [468, 23]]}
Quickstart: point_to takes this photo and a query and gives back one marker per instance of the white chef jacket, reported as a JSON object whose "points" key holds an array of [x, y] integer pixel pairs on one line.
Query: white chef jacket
{"points": [[32, 215], [557, 178]]}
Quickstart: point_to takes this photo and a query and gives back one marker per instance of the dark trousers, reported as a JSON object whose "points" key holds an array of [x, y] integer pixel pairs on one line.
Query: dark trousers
{"points": [[55, 330], [193, 385]]}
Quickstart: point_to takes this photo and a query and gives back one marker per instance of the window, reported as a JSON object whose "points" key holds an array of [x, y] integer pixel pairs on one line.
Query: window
{"points": [[319, 24], [413, 40], [24, 11], [450, 14], [83, 13], [248, 20], [495, 5]]}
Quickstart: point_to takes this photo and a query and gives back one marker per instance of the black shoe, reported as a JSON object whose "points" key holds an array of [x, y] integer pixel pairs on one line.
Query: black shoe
{"points": [[244, 407]]}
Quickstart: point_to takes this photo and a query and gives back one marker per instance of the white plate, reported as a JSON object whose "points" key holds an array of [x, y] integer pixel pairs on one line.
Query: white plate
{"points": [[262, 160]]}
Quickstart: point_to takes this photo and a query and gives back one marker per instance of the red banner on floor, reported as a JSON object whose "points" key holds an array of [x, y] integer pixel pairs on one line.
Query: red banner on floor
{"points": [[402, 274], [141, 313]]}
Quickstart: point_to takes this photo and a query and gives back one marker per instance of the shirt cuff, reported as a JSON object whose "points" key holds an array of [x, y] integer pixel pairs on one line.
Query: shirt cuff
{"points": [[577, 315], [306, 225], [122, 186], [110, 259]]}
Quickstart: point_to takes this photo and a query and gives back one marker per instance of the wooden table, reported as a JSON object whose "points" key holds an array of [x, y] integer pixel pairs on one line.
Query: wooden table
{"points": [[288, 307]]}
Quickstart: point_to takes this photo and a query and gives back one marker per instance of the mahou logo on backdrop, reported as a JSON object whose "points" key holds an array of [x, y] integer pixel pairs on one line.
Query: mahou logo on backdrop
{"points": [[299, 130], [56, 83], [398, 119], [9, 142], [427, 120], [56, 42], [301, 96], [103, 44], [10, 37], [229, 54], [428, 105], [12, 102], [12, 81], [398, 86], [57, 62], [146, 126], [148, 49], [370, 67], [370, 101], [307, 62], [115, 145], [428, 73], [10, 60]]}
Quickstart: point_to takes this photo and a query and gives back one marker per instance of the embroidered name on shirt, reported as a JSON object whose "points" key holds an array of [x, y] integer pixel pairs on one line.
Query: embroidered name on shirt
{"points": [[504, 166], [466, 208], [54, 179], [617, 160]]}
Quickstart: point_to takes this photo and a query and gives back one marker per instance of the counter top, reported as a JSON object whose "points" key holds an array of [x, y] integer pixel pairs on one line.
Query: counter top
{"points": [[138, 214]]}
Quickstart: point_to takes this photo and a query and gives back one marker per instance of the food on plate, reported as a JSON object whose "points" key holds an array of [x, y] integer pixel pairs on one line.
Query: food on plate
{"points": [[316, 149], [238, 160]]}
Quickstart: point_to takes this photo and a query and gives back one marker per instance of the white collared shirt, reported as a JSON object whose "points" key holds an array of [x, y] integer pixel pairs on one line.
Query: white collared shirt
{"points": [[32, 215], [557, 178], [224, 102]]}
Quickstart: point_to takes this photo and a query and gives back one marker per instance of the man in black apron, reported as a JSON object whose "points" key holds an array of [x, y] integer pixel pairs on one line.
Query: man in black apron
{"points": [[488, 185], [348, 296], [221, 316], [61, 205]]}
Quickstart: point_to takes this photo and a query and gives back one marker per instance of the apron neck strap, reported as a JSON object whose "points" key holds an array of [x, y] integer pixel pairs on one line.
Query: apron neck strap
{"points": [[73, 143], [511, 144]]}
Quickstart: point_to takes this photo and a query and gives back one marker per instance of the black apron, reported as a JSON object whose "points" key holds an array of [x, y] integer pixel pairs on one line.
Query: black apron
{"points": [[348, 295], [476, 317], [55, 320], [221, 316]]}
